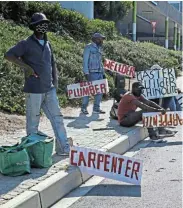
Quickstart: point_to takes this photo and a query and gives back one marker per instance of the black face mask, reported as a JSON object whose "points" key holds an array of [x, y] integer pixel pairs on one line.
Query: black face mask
{"points": [[138, 92], [42, 28]]}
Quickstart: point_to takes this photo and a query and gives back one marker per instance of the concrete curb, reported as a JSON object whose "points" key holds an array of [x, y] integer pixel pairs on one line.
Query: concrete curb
{"points": [[57, 186]]}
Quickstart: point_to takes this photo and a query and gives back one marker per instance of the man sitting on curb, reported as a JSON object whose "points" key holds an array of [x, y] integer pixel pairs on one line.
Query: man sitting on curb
{"points": [[128, 116]]}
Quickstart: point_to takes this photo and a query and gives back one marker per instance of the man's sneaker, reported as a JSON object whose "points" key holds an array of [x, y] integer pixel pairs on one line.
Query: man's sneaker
{"points": [[156, 139], [84, 111], [166, 133], [99, 112]]}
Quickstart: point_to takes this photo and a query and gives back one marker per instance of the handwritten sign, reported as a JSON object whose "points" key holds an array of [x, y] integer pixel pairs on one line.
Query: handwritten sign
{"points": [[158, 83], [87, 88], [167, 120], [122, 69], [108, 165]]}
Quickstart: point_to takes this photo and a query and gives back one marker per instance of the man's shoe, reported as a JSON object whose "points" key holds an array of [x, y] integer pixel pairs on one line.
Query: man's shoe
{"points": [[84, 111], [156, 139], [99, 112], [166, 133]]}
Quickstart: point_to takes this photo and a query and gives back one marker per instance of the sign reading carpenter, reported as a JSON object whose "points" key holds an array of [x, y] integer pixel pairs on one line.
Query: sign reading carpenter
{"points": [[158, 83], [167, 120], [87, 88], [108, 165]]}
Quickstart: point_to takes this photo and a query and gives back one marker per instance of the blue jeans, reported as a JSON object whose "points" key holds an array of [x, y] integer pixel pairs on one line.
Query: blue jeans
{"points": [[50, 105], [98, 97], [171, 103]]}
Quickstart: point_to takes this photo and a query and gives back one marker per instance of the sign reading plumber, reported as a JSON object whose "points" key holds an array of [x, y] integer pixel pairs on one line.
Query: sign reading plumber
{"points": [[87, 88], [122, 69], [108, 165], [159, 120], [158, 82]]}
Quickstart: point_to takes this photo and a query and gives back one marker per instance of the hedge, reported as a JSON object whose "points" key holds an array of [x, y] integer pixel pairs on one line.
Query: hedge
{"points": [[64, 22], [68, 54]]}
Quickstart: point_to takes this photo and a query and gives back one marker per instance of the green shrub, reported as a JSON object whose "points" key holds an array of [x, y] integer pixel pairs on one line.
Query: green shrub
{"points": [[64, 22], [68, 54]]}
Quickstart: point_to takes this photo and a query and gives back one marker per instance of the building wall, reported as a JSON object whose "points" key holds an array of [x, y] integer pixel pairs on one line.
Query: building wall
{"points": [[84, 7]]}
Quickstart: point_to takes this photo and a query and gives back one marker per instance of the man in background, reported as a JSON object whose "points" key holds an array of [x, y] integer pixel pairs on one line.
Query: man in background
{"points": [[93, 70]]}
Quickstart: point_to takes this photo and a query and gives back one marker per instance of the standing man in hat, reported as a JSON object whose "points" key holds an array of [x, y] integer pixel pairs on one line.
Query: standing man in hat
{"points": [[35, 56], [93, 70]]}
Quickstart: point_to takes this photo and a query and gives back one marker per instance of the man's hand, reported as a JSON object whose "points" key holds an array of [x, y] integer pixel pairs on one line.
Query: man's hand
{"points": [[30, 72], [162, 110]]}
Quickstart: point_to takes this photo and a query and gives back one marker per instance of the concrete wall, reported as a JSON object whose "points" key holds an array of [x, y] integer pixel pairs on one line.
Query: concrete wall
{"points": [[84, 7]]}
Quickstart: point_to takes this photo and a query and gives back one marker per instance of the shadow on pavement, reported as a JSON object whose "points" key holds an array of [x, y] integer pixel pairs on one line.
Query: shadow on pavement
{"points": [[82, 121], [113, 190]]}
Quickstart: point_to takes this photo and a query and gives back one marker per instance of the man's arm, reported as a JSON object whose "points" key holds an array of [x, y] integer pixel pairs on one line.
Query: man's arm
{"points": [[147, 108], [14, 55], [54, 72], [150, 103], [86, 55]]}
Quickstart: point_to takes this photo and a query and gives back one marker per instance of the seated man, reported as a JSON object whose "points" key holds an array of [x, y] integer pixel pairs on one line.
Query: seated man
{"points": [[128, 116]]}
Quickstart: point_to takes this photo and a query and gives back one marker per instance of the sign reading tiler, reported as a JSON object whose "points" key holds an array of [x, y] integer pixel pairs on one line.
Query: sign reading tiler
{"points": [[122, 69], [159, 120], [158, 83], [108, 165], [87, 88]]}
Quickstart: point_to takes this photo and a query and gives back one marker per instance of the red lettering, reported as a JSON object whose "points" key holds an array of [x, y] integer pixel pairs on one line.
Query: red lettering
{"points": [[180, 120], [170, 122], [155, 120], [81, 159], [132, 71], [127, 70], [106, 162], [97, 89], [120, 165], [107, 64], [127, 167], [114, 164], [99, 160], [103, 88], [70, 93], [135, 169], [85, 91], [92, 90], [175, 120], [91, 158], [112, 66], [72, 157], [123, 70]]}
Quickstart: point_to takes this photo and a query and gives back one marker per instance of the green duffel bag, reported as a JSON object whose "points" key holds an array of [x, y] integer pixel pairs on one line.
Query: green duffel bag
{"points": [[41, 152], [14, 160]]}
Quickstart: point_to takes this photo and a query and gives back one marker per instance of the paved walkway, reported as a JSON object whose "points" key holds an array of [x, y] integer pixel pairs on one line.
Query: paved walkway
{"points": [[89, 131]]}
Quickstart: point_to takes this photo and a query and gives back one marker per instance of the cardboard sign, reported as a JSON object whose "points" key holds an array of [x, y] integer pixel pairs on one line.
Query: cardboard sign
{"points": [[108, 165], [87, 88], [167, 120], [122, 69], [158, 83]]}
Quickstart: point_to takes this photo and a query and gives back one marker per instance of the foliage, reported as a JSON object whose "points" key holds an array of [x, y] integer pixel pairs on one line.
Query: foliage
{"points": [[111, 10], [68, 54], [62, 21]]}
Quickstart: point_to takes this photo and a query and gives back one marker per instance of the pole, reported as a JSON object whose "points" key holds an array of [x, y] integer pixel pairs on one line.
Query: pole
{"points": [[175, 36], [166, 32], [178, 40], [134, 18]]}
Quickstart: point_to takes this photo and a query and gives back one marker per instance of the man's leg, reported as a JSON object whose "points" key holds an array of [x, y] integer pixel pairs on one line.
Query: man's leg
{"points": [[84, 106], [98, 97], [169, 102], [52, 110], [33, 107], [133, 118]]}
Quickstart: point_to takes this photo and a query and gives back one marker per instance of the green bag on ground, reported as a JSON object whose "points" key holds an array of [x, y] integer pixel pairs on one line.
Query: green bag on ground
{"points": [[14, 160], [40, 153]]}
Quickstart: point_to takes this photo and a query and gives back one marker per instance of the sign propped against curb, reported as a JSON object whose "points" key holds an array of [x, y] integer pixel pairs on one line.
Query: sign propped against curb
{"points": [[167, 120], [87, 88], [108, 165], [158, 83], [122, 69]]}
